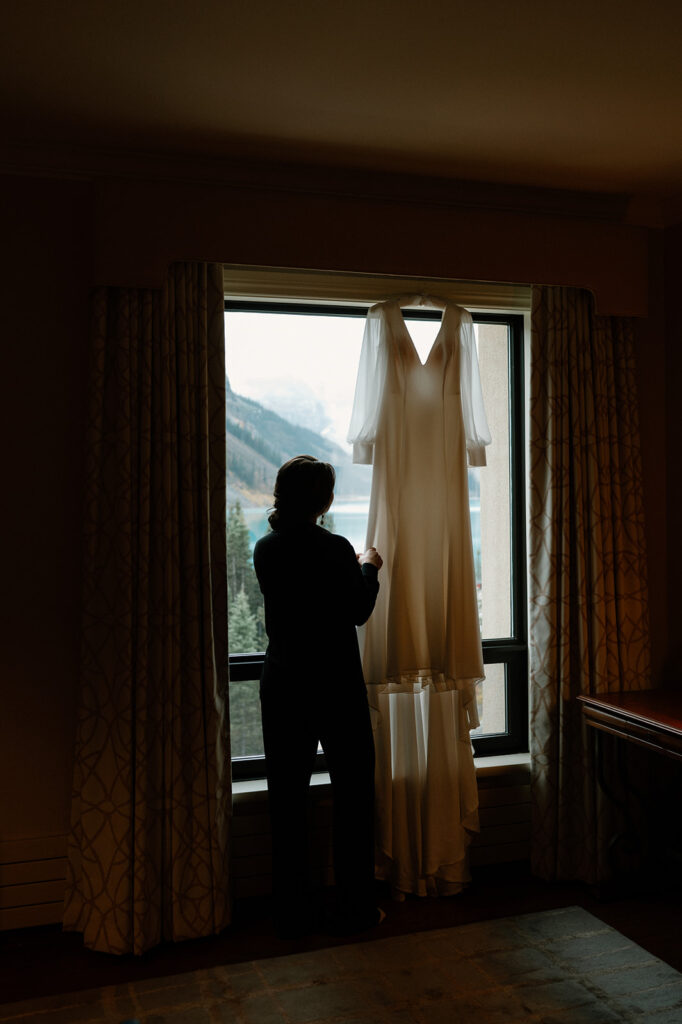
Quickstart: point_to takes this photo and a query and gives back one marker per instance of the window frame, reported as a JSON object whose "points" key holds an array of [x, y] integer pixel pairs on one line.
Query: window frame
{"points": [[511, 651]]}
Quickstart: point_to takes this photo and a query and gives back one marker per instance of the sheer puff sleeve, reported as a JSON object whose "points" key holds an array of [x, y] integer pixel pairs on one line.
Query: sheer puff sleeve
{"points": [[476, 427], [369, 388]]}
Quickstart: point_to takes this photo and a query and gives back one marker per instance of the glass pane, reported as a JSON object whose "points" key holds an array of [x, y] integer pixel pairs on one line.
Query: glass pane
{"points": [[290, 387], [491, 697], [492, 533], [245, 723], [291, 381], [246, 734]]}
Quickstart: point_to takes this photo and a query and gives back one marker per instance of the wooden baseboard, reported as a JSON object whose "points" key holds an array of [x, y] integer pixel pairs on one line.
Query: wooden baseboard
{"points": [[32, 878]]}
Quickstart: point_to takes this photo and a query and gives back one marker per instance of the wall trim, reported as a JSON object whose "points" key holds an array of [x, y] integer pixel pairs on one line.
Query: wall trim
{"points": [[32, 881], [365, 289]]}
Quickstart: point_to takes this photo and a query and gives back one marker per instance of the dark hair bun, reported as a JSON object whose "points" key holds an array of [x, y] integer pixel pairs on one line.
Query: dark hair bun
{"points": [[303, 490]]}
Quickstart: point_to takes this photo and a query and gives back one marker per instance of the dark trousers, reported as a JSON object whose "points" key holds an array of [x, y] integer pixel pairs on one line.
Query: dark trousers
{"points": [[295, 719]]}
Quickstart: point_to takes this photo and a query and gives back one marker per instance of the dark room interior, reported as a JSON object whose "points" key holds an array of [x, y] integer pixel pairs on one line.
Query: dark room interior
{"points": [[489, 150]]}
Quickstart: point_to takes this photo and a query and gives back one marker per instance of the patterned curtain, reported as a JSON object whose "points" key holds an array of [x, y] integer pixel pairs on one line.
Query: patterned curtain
{"points": [[147, 856], [589, 623]]}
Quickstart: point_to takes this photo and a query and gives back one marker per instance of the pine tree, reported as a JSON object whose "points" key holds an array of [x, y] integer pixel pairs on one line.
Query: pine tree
{"points": [[242, 632], [241, 576], [238, 550], [246, 735]]}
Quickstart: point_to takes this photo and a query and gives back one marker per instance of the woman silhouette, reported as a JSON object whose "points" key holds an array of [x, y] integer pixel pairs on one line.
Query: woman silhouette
{"points": [[316, 591]]}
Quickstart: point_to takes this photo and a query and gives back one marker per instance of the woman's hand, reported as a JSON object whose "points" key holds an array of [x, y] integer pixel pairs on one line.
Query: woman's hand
{"points": [[372, 556]]}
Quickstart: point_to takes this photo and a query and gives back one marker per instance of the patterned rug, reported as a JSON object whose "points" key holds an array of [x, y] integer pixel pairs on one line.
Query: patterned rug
{"points": [[557, 966]]}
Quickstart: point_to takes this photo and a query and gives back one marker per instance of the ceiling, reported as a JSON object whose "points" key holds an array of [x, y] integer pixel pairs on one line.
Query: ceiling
{"points": [[584, 95]]}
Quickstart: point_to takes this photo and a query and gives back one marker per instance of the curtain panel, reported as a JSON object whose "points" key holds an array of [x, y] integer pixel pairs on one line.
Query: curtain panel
{"points": [[589, 621], [147, 855]]}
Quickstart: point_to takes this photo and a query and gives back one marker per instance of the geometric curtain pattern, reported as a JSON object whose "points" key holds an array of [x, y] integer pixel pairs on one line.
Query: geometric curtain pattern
{"points": [[589, 620], [147, 854]]}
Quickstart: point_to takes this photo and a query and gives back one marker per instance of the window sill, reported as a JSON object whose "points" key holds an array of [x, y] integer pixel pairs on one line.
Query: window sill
{"points": [[502, 764], [261, 785], [486, 767]]}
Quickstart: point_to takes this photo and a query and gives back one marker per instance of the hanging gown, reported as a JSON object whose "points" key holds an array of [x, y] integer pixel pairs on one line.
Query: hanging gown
{"points": [[420, 425]]}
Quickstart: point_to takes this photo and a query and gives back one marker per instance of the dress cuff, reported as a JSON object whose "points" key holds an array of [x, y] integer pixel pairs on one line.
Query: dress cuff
{"points": [[363, 453], [477, 455]]}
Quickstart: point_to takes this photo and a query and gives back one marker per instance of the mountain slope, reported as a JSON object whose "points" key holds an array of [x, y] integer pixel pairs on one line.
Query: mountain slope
{"points": [[259, 441]]}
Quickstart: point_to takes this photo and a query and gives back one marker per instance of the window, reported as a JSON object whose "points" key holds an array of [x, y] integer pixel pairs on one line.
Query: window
{"points": [[291, 371]]}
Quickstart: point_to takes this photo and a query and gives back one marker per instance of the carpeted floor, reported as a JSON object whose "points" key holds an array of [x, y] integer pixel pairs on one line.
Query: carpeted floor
{"points": [[554, 966]]}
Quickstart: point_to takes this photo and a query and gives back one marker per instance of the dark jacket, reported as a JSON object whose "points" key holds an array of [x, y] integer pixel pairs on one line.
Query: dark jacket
{"points": [[315, 594]]}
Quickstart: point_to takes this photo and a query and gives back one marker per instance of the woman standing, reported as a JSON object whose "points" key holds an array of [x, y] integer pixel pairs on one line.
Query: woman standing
{"points": [[316, 591]]}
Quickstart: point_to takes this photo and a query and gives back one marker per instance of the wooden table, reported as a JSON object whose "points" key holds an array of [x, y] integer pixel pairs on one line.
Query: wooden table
{"points": [[649, 718]]}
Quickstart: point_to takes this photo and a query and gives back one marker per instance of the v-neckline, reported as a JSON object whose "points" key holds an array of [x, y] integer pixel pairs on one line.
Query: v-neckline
{"points": [[413, 348]]}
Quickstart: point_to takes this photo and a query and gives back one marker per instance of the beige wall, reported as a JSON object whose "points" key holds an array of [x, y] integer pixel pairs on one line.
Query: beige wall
{"points": [[45, 237], [651, 343], [136, 227], [141, 226], [672, 392]]}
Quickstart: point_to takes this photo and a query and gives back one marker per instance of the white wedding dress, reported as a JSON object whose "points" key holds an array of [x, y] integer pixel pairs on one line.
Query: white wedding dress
{"points": [[421, 425]]}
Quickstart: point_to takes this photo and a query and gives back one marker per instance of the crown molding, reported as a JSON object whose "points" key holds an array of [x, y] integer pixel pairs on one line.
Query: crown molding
{"points": [[83, 162]]}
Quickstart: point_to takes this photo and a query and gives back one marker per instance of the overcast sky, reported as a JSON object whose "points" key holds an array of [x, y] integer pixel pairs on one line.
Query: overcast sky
{"points": [[303, 366]]}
